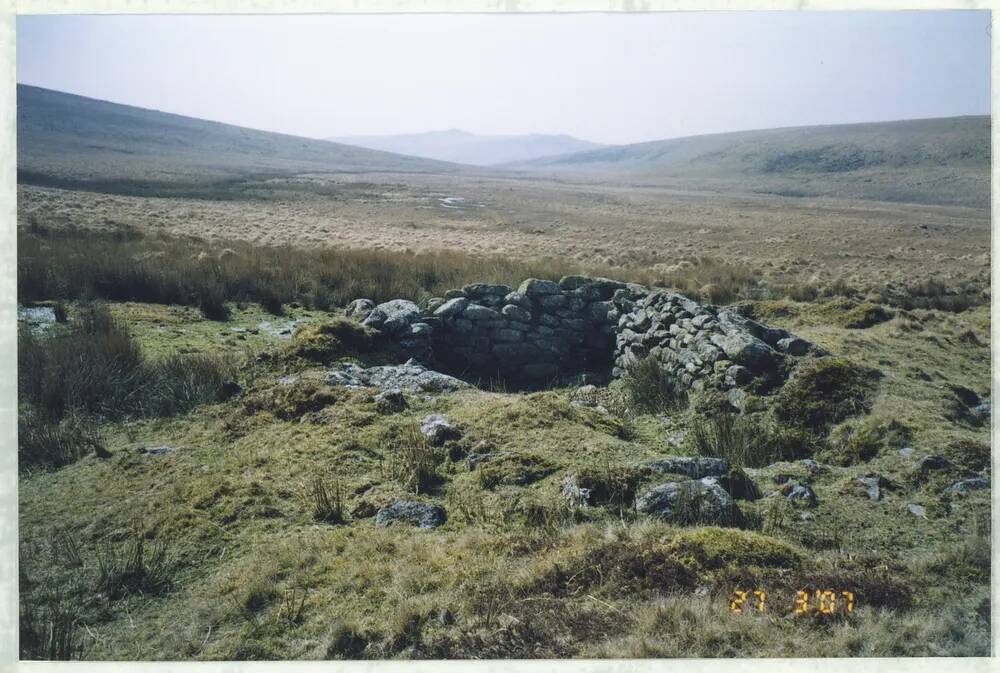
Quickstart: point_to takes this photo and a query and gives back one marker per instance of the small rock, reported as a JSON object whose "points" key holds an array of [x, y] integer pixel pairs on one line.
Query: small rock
{"points": [[800, 493], [438, 430], [574, 495], [676, 438], [916, 510], [451, 308], [157, 450], [811, 465], [696, 468], [906, 452], [966, 485], [928, 463], [871, 486], [533, 287], [359, 308], [390, 401], [407, 511], [697, 501], [806, 516]]}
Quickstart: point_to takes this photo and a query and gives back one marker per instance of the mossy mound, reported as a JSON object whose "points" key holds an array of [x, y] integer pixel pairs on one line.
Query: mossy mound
{"points": [[861, 441], [865, 315], [292, 401], [516, 469], [824, 392], [711, 548], [329, 341]]}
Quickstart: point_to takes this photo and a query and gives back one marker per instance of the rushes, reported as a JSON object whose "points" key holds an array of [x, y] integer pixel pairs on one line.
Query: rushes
{"points": [[748, 441], [413, 462], [134, 568], [327, 504], [648, 388]]}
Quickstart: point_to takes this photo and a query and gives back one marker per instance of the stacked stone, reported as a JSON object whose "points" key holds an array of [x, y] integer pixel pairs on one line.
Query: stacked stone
{"points": [[528, 335], [400, 319], [701, 346]]}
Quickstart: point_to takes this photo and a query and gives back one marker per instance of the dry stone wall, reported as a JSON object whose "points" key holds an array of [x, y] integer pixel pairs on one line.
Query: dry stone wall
{"points": [[543, 330]]}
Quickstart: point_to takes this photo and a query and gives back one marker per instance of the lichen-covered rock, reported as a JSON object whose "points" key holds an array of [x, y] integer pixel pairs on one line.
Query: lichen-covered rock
{"points": [[438, 430], [414, 513], [967, 485], [451, 307], [390, 401], [409, 377], [701, 501], [694, 467], [359, 308], [930, 463], [799, 493], [533, 287], [574, 495], [393, 317]]}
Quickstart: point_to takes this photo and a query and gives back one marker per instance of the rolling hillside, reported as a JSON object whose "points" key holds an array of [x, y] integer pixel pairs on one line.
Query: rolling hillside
{"points": [[73, 141], [471, 148], [943, 161]]}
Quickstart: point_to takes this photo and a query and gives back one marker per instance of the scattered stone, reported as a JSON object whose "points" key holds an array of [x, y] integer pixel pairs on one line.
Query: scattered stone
{"points": [[157, 450], [393, 317], [873, 486], [676, 438], [476, 458], [574, 495], [966, 485], [410, 377], [928, 463], [534, 287], [38, 318], [800, 493], [438, 430], [416, 513], [906, 452], [811, 465], [916, 510], [701, 501], [452, 307], [390, 401], [696, 467], [359, 308], [739, 485]]}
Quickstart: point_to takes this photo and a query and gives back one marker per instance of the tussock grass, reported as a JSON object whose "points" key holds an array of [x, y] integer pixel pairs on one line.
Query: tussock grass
{"points": [[129, 265], [95, 371], [649, 389], [748, 441]]}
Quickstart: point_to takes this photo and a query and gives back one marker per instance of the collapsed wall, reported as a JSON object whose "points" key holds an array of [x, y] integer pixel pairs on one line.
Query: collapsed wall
{"points": [[544, 330]]}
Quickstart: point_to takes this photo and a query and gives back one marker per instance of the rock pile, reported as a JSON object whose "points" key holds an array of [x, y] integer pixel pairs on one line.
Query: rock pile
{"points": [[544, 329], [703, 346]]}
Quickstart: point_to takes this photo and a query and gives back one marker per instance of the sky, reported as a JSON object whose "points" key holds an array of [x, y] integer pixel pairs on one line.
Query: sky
{"points": [[610, 78]]}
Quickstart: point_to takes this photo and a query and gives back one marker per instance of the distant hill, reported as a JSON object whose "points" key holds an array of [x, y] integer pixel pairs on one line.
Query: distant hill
{"points": [[926, 161], [471, 148], [69, 140]]}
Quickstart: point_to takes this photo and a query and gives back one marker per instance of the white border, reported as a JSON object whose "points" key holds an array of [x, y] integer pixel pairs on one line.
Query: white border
{"points": [[8, 332]]}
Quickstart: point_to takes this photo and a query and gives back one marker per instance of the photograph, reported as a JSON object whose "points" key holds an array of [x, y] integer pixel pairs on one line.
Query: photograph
{"points": [[602, 336]]}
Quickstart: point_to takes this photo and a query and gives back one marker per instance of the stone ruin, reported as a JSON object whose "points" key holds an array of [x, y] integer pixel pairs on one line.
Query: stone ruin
{"points": [[544, 331]]}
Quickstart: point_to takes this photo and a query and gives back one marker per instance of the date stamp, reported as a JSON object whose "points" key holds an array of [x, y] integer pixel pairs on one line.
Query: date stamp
{"points": [[822, 601]]}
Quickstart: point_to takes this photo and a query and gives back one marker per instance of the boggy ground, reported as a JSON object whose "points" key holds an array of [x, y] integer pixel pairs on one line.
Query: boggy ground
{"points": [[224, 548], [625, 226]]}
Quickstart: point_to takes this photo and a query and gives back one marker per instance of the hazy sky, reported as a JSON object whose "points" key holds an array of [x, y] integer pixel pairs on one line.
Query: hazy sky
{"points": [[612, 78]]}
